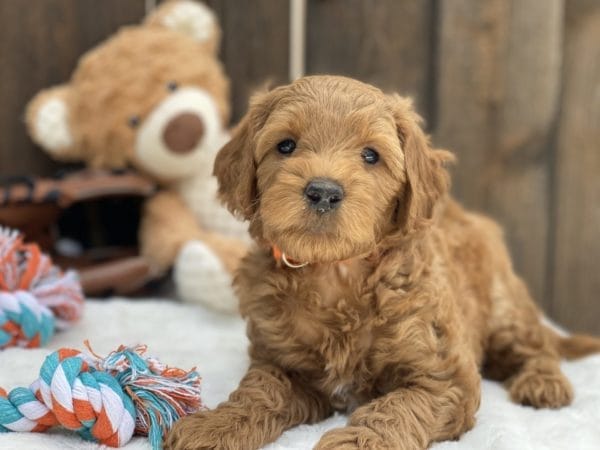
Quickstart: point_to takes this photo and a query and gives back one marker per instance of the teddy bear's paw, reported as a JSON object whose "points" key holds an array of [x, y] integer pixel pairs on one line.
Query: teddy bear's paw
{"points": [[201, 278], [192, 19]]}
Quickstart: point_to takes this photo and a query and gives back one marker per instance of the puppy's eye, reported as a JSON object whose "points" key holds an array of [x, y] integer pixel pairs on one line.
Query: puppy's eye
{"points": [[286, 147], [172, 86], [370, 156], [134, 121]]}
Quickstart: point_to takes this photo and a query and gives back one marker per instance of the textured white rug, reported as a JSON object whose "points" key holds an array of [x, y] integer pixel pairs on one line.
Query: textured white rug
{"points": [[187, 336]]}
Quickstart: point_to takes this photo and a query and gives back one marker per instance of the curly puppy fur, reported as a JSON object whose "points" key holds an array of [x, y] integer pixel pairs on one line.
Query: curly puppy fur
{"points": [[406, 299]]}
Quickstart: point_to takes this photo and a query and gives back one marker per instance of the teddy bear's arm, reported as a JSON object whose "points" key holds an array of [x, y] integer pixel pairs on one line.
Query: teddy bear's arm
{"points": [[229, 250], [167, 224]]}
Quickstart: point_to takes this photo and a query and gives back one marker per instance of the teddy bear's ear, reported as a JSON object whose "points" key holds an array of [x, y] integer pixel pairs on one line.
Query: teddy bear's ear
{"points": [[48, 122], [192, 18]]}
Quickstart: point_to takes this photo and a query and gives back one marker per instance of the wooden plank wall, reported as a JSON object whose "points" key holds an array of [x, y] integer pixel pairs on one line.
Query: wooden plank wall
{"points": [[498, 83], [386, 42], [574, 278], [511, 86], [39, 47], [255, 45]]}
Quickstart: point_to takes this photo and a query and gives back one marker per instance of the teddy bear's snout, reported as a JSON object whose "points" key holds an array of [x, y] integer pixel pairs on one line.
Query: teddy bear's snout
{"points": [[183, 132]]}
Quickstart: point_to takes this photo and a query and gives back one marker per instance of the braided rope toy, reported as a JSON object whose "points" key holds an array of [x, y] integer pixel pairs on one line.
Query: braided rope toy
{"points": [[103, 399], [35, 296]]}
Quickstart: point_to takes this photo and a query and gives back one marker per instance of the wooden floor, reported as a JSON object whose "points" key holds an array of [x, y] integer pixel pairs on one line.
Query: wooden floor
{"points": [[511, 86]]}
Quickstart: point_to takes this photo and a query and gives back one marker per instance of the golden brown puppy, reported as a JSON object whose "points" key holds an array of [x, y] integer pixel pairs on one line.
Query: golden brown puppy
{"points": [[371, 291]]}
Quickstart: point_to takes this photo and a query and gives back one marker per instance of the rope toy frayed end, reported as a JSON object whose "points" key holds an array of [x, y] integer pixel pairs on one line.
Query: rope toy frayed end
{"points": [[107, 400]]}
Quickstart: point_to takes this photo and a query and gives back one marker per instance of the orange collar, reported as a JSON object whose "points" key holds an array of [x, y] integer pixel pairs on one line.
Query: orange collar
{"points": [[281, 259]]}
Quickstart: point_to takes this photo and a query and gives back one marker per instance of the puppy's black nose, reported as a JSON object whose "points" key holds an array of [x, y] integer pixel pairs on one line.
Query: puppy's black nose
{"points": [[323, 195]]}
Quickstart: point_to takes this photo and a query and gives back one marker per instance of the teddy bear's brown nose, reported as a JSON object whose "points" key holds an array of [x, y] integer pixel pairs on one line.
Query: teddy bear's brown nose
{"points": [[183, 133]]}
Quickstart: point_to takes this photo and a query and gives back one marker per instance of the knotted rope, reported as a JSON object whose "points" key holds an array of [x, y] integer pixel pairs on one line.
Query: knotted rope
{"points": [[103, 399], [35, 296]]}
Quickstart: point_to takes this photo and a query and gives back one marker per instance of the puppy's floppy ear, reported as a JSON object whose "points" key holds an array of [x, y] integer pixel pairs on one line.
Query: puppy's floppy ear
{"points": [[427, 178], [235, 167]]}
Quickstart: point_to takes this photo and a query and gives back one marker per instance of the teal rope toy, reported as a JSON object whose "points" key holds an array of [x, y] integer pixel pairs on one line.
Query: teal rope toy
{"points": [[107, 400]]}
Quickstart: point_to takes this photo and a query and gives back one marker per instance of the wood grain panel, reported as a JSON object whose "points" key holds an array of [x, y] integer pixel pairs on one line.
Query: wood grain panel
{"points": [[255, 45], [39, 47], [388, 43], [498, 88], [577, 212]]}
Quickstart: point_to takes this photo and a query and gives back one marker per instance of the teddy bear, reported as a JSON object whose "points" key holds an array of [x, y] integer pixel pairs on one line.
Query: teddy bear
{"points": [[154, 97]]}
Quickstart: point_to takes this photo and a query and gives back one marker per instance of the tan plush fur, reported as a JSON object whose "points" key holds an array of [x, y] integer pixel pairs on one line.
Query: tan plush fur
{"points": [[123, 97], [406, 298], [122, 78], [167, 211]]}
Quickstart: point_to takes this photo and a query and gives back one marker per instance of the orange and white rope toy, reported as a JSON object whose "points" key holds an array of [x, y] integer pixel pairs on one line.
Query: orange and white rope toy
{"points": [[103, 399], [36, 297]]}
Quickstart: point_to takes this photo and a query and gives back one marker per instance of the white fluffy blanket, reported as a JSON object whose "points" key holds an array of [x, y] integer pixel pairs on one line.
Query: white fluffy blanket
{"points": [[187, 336]]}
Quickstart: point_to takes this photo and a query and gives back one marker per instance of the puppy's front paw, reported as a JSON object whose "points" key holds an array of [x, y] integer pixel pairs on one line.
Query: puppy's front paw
{"points": [[206, 430], [541, 390], [190, 433], [352, 438]]}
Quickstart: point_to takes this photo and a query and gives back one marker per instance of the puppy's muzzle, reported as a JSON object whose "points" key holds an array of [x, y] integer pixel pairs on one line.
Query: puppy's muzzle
{"points": [[323, 195]]}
